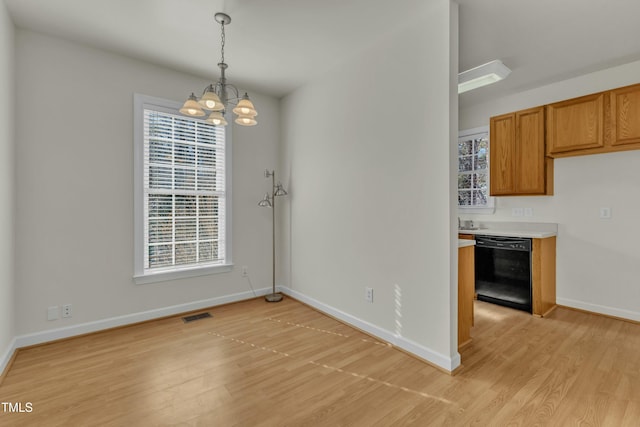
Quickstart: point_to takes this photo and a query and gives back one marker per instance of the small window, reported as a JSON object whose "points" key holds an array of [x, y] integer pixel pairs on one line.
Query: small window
{"points": [[473, 171], [181, 194]]}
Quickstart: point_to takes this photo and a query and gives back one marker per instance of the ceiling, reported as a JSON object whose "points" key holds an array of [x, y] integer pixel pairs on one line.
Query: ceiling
{"points": [[275, 46]]}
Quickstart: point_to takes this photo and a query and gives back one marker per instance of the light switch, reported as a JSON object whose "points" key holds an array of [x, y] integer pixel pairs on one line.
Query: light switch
{"points": [[605, 213]]}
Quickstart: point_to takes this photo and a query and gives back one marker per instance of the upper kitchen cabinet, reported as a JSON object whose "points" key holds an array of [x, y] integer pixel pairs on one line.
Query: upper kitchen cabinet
{"points": [[624, 116], [575, 124], [518, 165], [502, 133], [599, 123]]}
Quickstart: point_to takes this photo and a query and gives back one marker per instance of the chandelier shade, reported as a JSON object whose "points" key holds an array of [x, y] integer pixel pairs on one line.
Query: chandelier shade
{"points": [[221, 96], [246, 121], [245, 107], [191, 107], [217, 119], [210, 100]]}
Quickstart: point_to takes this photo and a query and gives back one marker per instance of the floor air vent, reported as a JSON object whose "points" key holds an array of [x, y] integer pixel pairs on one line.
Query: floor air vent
{"points": [[195, 317]]}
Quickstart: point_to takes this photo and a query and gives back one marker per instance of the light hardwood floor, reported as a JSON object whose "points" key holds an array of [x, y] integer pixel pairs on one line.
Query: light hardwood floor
{"points": [[260, 364]]}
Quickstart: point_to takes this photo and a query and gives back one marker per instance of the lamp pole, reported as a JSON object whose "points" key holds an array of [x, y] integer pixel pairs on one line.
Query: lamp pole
{"points": [[270, 201]]}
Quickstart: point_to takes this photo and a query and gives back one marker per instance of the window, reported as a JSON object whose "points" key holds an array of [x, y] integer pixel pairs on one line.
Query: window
{"points": [[473, 171], [181, 194]]}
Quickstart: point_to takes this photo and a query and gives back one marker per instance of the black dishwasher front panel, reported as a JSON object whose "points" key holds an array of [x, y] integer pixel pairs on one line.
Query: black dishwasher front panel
{"points": [[503, 271]]}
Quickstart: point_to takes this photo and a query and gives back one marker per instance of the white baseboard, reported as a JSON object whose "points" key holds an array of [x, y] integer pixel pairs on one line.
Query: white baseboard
{"points": [[601, 309], [98, 325], [438, 359], [8, 354], [442, 361]]}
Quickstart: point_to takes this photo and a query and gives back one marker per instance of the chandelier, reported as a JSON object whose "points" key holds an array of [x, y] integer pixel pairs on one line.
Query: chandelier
{"points": [[221, 95]]}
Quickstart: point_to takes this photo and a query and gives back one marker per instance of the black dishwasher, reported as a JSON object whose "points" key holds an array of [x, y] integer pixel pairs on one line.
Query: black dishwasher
{"points": [[503, 271]]}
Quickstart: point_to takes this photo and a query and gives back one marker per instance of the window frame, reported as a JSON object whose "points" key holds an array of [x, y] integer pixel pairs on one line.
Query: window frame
{"points": [[467, 134], [140, 102]]}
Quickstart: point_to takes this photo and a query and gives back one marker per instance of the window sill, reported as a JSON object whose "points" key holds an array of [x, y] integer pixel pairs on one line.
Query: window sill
{"points": [[141, 279], [476, 210]]}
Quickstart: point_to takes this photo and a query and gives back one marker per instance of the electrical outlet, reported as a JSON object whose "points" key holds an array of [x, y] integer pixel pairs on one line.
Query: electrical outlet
{"points": [[67, 310], [368, 294], [245, 271], [52, 312], [516, 212], [605, 213], [528, 211]]}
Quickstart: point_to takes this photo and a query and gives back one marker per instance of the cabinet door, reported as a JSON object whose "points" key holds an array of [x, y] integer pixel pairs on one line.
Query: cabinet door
{"points": [[466, 291], [625, 115], [576, 124], [502, 134], [543, 275], [530, 159]]}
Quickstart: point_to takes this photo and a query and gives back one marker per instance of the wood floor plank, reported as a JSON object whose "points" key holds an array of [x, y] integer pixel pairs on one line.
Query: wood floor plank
{"points": [[260, 364]]}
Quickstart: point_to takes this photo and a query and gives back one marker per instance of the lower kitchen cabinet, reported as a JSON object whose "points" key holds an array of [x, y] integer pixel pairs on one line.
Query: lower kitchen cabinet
{"points": [[466, 290], [543, 275]]}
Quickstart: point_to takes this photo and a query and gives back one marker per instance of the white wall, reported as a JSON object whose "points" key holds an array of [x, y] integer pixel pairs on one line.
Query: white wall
{"points": [[7, 183], [598, 263], [366, 156], [75, 186]]}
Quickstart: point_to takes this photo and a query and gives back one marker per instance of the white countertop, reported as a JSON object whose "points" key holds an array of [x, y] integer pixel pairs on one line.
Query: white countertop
{"points": [[534, 230], [465, 242]]}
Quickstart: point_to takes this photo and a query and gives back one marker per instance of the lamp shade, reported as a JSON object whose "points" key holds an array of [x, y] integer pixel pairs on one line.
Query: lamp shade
{"points": [[246, 120], [210, 100], [217, 119], [279, 190], [245, 107], [192, 108], [266, 202]]}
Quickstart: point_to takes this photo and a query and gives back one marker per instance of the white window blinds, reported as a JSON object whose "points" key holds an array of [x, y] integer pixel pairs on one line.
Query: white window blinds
{"points": [[184, 192]]}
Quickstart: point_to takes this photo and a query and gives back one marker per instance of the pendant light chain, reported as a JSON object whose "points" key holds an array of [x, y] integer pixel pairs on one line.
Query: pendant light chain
{"points": [[223, 40]]}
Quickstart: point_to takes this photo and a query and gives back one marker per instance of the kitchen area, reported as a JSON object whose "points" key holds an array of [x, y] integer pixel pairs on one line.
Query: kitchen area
{"points": [[562, 176], [511, 264]]}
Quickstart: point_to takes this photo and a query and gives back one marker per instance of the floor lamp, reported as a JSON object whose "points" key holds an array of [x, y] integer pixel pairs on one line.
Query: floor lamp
{"points": [[269, 201]]}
